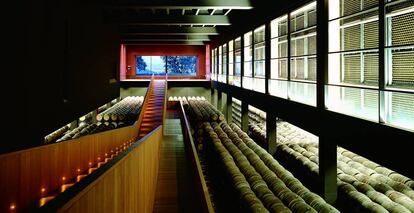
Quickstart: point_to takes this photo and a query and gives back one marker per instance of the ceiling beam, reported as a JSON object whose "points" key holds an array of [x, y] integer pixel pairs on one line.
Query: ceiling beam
{"points": [[166, 37], [164, 30], [163, 42], [176, 20], [184, 4]]}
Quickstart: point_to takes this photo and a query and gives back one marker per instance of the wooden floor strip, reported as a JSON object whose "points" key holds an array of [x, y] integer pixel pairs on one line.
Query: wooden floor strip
{"points": [[176, 191]]}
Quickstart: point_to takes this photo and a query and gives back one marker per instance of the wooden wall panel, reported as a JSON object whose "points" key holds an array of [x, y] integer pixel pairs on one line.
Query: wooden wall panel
{"points": [[128, 186], [24, 173]]}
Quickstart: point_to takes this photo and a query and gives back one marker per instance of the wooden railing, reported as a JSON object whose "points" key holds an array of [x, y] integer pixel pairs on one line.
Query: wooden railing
{"points": [[192, 152], [128, 185], [145, 103], [30, 175]]}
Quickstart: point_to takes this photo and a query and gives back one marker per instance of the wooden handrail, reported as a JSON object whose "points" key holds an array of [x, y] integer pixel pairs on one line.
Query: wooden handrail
{"points": [[30, 174], [131, 177], [145, 103], [202, 186]]}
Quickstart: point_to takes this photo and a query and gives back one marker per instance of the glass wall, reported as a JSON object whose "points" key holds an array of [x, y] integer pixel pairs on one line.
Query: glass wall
{"points": [[220, 63], [353, 58], [248, 68], [213, 64], [279, 57], [359, 83], [222, 77], [302, 87], [398, 97], [303, 43], [231, 62], [354, 61], [295, 81], [237, 65], [259, 59]]}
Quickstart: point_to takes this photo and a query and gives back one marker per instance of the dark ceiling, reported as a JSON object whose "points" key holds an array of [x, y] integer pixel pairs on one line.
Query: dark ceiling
{"points": [[192, 22]]}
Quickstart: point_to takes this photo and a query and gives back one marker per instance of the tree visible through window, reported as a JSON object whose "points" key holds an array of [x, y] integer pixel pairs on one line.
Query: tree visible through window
{"points": [[173, 65]]}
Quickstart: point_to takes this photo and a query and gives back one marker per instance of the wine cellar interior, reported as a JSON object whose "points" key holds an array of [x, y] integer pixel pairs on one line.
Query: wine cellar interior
{"points": [[210, 106]]}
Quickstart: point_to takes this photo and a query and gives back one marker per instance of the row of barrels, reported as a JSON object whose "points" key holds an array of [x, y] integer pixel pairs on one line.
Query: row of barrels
{"points": [[201, 111], [285, 133], [366, 185], [122, 113], [184, 98], [125, 110], [236, 111], [262, 183], [255, 115], [52, 137], [87, 129]]}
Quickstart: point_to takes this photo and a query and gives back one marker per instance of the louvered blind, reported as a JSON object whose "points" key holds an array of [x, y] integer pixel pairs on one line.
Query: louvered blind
{"points": [[366, 4], [282, 28], [352, 96], [299, 68], [350, 6], [371, 68], [312, 18], [352, 68], [352, 38], [403, 68], [300, 46], [282, 49], [371, 35], [402, 104], [312, 45], [282, 68], [312, 69], [370, 99], [403, 29]]}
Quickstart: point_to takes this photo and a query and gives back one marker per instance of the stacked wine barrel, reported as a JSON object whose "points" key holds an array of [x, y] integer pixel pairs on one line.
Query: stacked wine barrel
{"points": [[125, 112], [236, 112], [122, 113], [184, 98], [256, 116], [261, 183], [74, 133], [363, 185], [52, 137], [201, 111]]}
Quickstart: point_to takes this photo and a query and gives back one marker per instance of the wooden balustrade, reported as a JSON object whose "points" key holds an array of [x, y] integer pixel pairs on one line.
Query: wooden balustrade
{"points": [[28, 175], [127, 186], [192, 152]]}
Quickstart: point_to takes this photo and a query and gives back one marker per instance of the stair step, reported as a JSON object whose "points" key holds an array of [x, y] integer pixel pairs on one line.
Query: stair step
{"points": [[66, 186], [150, 124], [146, 129]]}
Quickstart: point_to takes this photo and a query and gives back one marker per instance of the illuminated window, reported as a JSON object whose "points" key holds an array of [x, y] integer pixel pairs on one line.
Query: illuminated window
{"points": [[303, 43], [259, 52], [278, 45], [248, 54]]}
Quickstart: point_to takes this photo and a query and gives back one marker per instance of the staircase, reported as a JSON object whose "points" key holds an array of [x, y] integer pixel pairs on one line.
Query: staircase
{"points": [[154, 109]]}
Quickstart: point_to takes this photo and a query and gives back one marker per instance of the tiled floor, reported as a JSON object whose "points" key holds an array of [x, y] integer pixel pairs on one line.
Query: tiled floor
{"points": [[176, 190]]}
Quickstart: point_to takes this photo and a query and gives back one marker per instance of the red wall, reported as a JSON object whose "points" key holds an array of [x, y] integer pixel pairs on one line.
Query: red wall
{"points": [[134, 50]]}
